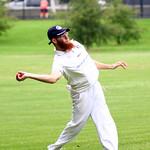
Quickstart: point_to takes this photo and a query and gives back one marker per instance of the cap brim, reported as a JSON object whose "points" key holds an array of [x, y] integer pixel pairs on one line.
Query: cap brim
{"points": [[67, 29], [64, 30]]}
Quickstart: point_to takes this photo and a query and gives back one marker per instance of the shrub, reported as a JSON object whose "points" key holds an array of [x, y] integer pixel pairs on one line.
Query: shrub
{"points": [[5, 21], [120, 19]]}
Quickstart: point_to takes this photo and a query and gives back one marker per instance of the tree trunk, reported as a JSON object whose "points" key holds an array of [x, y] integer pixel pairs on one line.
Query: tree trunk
{"points": [[118, 40], [87, 45]]}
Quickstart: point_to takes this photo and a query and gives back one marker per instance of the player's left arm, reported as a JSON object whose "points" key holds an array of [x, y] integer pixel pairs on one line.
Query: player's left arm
{"points": [[100, 65]]}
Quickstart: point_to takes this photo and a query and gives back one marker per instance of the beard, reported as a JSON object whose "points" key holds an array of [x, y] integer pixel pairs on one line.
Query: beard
{"points": [[65, 46]]}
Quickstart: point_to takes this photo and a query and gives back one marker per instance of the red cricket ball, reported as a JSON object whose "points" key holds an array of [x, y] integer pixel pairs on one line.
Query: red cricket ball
{"points": [[19, 75]]}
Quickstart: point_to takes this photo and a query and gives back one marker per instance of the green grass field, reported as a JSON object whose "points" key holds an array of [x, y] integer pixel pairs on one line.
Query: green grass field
{"points": [[33, 114]]}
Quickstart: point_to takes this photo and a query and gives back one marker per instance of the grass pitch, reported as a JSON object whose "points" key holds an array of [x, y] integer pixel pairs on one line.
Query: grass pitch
{"points": [[33, 114]]}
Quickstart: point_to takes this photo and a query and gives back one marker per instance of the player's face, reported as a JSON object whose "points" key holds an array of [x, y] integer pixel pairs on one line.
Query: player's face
{"points": [[64, 43], [64, 38]]}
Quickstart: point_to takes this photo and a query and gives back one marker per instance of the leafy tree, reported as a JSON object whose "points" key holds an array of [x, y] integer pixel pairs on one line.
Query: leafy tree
{"points": [[93, 23], [85, 22], [120, 19], [5, 21]]}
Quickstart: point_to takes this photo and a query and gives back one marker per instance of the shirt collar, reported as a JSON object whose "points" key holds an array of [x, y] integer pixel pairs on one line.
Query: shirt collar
{"points": [[59, 52]]}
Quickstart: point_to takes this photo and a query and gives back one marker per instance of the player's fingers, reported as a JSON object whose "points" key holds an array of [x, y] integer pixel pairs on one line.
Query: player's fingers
{"points": [[123, 63]]}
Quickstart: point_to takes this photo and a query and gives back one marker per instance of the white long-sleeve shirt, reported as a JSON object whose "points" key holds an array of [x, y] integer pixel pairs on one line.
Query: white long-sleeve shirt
{"points": [[77, 67]]}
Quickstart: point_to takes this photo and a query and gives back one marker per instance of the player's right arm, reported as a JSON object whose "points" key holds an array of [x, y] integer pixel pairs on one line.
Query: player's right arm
{"points": [[52, 78]]}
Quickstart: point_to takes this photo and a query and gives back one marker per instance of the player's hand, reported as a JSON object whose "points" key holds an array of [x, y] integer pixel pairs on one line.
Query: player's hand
{"points": [[120, 63], [21, 76]]}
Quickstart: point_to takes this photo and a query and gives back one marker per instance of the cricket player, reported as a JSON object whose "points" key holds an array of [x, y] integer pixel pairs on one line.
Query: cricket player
{"points": [[72, 61]]}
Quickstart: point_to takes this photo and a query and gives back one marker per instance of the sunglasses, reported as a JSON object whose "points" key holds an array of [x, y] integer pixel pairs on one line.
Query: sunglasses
{"points": [[63, 35]]}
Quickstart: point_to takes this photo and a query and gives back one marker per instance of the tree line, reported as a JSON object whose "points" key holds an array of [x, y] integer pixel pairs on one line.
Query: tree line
{"points": [[92, 22]]}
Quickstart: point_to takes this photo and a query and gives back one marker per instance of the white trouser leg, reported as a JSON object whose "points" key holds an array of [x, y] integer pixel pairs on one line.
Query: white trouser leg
{"points": [[104, 123], [81, 110], [90, 102]]}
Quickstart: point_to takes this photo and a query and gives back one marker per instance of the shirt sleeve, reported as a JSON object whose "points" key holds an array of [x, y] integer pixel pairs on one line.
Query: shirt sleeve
{"points": [[57, 65]]}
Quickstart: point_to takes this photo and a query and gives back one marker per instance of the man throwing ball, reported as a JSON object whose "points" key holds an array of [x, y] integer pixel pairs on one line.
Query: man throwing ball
{"points": [[81, 72]]}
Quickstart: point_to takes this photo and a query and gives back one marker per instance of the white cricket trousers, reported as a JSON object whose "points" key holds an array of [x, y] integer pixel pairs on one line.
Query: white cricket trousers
{"points": [[90, 103]]}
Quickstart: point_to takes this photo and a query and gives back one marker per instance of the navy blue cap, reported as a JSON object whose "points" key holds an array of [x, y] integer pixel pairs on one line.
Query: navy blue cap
{"points": [[56, 31]]}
